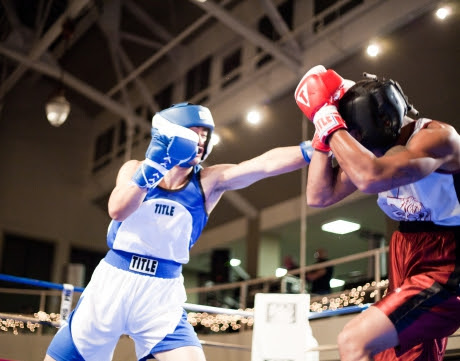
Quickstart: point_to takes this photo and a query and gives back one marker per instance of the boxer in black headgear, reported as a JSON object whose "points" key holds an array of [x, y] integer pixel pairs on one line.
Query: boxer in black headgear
{"points": [[374, 110], [414, 167]]}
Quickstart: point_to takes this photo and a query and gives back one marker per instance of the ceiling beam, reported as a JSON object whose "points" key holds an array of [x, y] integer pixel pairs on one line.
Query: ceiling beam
{"points": [[43, 44], [83, 25], [41, 17], [253, 36], [20, 30], [147, 21], [163, 51], [139, 40], [109, 22], [281, 27], [140, 84], [79, 86]]}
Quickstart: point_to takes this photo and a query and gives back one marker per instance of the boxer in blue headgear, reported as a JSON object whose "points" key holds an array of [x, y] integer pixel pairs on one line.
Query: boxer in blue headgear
{"points": [[189, 115], [159, 207], [413, 165]]}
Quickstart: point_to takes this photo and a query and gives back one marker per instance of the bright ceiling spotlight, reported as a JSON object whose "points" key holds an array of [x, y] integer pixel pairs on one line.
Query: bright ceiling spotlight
{"points": [[215, 138], [253, 117], [373, 50], [340, 227], [443, 12]]}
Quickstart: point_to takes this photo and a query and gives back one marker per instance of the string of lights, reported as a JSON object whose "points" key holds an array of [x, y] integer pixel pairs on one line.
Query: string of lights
{"points": [[214, 322]]}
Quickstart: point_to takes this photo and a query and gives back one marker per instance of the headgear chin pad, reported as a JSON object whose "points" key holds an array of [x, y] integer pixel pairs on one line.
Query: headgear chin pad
{"points": [[376, 109], [191, 115]]}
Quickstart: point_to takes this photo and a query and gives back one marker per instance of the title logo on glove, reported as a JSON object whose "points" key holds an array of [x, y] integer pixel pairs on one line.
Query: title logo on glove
{"points": [[302, 95], [326, 123]]}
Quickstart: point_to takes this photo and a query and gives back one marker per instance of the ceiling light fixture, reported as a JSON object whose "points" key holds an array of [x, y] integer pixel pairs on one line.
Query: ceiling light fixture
{"points": [[373, 50], [340, 227], [215, 138], [235, 262], [57, 108], [240, 271], [443, 12], [253, 117]]}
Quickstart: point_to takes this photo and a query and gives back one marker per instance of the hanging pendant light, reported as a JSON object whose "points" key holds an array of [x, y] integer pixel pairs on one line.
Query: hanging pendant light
{"points": [[57, 107]]}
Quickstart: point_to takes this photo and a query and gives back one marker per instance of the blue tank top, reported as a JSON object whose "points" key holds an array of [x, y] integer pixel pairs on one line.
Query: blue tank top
{"points": [[166, 225]]}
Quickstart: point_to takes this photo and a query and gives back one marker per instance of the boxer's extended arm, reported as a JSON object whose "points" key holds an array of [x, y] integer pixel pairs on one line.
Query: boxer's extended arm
{"points": [[224, 177]]}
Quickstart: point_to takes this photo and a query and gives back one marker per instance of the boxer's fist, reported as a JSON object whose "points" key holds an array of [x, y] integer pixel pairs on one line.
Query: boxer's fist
{"points": [[327, 120], [318, 145], [319, 87], [171, 145], [307, 150]]}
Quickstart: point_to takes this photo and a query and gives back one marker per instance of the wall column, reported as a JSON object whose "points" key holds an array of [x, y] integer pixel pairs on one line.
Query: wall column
{"points": [[252, 245]]}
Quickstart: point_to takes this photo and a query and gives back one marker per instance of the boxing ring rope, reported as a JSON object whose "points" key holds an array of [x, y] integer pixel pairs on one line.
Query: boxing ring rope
{"points": [[216, 318], [376, 287], [41, 318], [187, 306]]}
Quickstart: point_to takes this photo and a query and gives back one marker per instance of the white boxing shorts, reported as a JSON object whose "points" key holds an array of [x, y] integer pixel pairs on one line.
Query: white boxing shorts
{"points": [[127, 295]]}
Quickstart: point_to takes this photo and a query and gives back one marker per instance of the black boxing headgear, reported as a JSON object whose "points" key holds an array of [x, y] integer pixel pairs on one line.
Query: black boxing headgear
{"points": [[376, 109]]}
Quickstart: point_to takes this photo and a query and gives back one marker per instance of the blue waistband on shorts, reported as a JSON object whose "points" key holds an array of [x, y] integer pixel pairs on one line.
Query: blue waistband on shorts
{"points": [[147, 266]]}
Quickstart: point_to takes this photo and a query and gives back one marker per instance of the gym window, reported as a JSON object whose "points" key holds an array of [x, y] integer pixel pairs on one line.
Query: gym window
{"points": [[267, 29], [230, 65]]}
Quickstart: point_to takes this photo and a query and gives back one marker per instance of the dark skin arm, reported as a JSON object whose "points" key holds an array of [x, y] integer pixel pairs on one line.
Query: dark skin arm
{"points": [[436, 147]]}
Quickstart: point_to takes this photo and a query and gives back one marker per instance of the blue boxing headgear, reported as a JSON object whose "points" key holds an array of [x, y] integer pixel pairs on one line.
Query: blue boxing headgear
{"points": [[190, 115], [376, 109]]}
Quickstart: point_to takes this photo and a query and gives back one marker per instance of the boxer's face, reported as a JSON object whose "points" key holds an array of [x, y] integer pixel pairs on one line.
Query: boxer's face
{"points": [[203, 134], [357, 135]]}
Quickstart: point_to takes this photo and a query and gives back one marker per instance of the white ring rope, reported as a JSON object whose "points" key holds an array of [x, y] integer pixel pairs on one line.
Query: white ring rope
{"points": [[211, 309], [225, 345]]}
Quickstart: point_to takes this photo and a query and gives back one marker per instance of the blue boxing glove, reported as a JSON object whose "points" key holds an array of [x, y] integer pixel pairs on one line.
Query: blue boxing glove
{"points": [[171, 145], [307, 150]]}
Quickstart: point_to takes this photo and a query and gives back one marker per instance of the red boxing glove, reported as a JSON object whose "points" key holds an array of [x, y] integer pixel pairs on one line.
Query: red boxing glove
{"points": [[318, 145], [317, 88], [346, 84], [327, 120]]}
